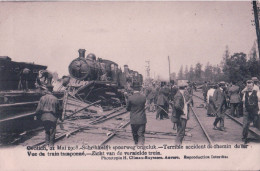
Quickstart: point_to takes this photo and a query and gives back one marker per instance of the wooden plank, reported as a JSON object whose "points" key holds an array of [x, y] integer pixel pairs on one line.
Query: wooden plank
{"points": [[17, 117]]}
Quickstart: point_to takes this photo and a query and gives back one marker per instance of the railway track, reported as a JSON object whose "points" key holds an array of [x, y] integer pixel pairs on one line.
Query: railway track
{"points": [[202, 127], [89, 126], [232, 134]]}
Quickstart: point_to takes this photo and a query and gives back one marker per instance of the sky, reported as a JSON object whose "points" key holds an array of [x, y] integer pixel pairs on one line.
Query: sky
{"points": [[50, 33]]}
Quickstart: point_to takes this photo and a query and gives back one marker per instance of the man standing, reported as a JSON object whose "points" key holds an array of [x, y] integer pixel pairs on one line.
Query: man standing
{"points": [[47, 77], [162, 102], [211, 109], [234, 99], [180, 112], [151, 95], [49, 111], [205, 91], [136, 106], [219, 100], [250, 101], [23, 82]]}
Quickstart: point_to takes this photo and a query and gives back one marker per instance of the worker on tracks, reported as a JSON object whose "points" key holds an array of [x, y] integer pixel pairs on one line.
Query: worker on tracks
{"points": [[180, 111], [136, 106], [220, 103], [251, 109], [49, 110], [234, 95], [210, 104], [162, 102], [205, 90], [151, 94]]}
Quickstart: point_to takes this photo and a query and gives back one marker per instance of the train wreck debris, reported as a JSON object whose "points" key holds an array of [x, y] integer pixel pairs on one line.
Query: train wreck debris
{"points": [[94, 79]]}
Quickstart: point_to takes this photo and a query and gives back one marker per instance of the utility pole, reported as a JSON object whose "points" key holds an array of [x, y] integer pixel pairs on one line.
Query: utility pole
{"points": [[169, 69], [147, 69], [255, 8]]}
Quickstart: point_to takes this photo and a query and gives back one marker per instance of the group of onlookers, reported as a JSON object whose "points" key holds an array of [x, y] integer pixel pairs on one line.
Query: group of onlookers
{"points": [[160, 97], [242, 101]]}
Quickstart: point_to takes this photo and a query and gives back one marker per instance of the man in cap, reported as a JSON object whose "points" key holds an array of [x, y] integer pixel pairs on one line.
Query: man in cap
{"points": [[219, 100], [256, 82], [255, 87], [251, 110], [162, 102], [49, 110], [136, 106], [151, 95], [234, 95], [180, 111]]}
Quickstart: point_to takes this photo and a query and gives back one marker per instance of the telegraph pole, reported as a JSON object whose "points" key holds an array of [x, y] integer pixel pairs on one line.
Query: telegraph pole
{"points": [[255, 8], [169, 69], [147, 69]]}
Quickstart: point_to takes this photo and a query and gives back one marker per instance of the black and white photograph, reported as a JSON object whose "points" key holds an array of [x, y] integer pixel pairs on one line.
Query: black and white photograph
{"points": [[129, 85]]}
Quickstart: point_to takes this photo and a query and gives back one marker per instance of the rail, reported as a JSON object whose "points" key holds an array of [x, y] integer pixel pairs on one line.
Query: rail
{"points": [[202, 127], [254, 132]]}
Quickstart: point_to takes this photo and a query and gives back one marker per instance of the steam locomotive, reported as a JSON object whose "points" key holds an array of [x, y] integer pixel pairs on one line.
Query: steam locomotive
{"points": [[105, 80], [91, 68]]}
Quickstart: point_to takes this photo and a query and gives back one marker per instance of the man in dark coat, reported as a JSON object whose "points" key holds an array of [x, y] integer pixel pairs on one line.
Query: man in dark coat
{"points": [[151, 95], [205, 89], [162, 102], [234, 95], [178, 117], [219, 100], [49, 111], [251, 109], [136, 106]]}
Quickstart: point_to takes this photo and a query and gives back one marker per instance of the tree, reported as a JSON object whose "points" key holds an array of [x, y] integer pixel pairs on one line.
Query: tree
{"points": [[191, 74], [186, 73], [208, 73], [180, 75], [223, 64], [236, 68], [253, 63], [198, 71]]}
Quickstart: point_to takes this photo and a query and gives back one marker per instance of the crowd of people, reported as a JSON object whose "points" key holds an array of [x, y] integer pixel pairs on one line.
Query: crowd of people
{"points": [[164, 98], [159, 97], [243, 100]]}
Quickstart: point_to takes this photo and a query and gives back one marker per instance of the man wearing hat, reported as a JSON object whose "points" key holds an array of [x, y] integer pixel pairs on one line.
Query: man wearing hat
{"points": [[255, 87], [162, 102], [251, 109], [136, 106], [151, 95], [220, 104], [234, 95], [49, 111]]}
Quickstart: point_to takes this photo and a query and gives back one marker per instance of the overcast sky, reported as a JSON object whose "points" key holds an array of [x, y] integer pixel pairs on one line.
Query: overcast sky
{"points": [[50, 33]]}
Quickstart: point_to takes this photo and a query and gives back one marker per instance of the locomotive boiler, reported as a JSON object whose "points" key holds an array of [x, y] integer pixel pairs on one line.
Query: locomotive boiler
{"points": [[93, 69], [103, 79]]}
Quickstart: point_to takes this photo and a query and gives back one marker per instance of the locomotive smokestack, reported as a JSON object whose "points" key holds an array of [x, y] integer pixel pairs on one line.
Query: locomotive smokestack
{"points": [[126, 69], [81, 53]]}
